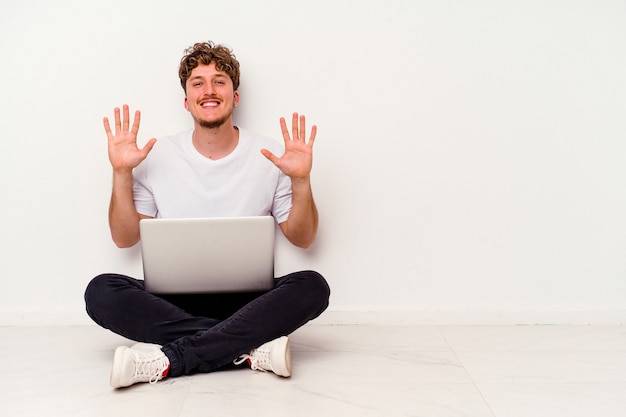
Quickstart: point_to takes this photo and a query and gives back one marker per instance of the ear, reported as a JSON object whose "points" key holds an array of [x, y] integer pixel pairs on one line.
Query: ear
{"points": [[236, 98], [186, 104]]}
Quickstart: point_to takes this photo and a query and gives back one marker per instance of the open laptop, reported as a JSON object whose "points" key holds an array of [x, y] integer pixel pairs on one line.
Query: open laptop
{"points": [[208, 255]]}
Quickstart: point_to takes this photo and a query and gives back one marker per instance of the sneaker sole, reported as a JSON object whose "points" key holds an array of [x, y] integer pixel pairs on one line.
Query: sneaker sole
{"points": [[284, 362], [116, 370]]}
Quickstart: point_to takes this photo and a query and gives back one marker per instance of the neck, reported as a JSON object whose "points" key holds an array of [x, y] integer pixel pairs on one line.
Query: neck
{"points": [[215, 143]]}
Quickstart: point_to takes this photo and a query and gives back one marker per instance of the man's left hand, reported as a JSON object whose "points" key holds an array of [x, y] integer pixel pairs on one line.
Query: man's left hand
{"points": [[297, 160]]}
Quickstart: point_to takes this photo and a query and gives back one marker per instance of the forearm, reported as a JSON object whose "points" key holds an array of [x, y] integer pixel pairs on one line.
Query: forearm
{"points": [[123, 217], [301, 225]]}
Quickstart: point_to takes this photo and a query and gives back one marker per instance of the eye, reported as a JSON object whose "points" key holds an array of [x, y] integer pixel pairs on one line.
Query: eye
{"points": [[219, 82], [196, 84]]}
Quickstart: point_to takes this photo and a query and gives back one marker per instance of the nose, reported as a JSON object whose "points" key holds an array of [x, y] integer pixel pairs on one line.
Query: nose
{"points": [[209, 89]]}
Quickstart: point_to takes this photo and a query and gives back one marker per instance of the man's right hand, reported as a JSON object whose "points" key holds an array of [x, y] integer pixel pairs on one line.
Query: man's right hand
{"points": [[124, 153]]}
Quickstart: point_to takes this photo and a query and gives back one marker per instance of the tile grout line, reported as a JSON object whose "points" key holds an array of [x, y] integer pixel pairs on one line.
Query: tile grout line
{"points": [[466, 371], [184, 401]]}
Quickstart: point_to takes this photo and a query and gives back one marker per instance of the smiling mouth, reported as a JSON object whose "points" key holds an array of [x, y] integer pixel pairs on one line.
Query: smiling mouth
{"points": [[209, 104]]}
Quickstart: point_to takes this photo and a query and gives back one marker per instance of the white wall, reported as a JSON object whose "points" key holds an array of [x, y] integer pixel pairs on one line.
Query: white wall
{"points": [[470, 164]]}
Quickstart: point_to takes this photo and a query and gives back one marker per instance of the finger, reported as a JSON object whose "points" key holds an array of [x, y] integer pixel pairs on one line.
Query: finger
{"points": [[107, 127], [125, 120], [118, 125], [302, 128], [294, 126], [148, 147], [284, 130], [136, 121], [270, 156], [313, 134]]}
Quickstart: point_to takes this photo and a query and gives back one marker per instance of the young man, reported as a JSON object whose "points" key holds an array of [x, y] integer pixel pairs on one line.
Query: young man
{"points": [[216, 169]]}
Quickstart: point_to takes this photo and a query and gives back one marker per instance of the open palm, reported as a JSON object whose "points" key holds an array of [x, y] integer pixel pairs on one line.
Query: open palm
{"points": [[123, 150], [297, 160]]}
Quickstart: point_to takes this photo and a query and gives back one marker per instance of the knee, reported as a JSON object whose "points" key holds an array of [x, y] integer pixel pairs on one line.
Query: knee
{"points": [[320, 284], [315, 288], [95, 293], [96, 288], [99, 292]]}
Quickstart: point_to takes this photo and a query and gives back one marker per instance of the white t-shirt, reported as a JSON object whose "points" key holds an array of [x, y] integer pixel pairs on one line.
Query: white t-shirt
{"points": [[175, 180]]}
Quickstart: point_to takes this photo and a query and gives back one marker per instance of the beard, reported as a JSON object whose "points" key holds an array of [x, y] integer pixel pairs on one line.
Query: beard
{"points": [[214, 124]]}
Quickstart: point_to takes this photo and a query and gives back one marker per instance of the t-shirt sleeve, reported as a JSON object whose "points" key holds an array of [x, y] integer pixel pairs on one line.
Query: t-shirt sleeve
{"points": [[142, 193], [282, 199]]}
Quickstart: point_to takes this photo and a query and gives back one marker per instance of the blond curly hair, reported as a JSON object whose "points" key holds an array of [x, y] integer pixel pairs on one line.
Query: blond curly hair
{"points": [[204, 53]]}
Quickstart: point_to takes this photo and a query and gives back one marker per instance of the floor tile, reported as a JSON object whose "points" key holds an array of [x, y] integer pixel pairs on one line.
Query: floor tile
{"points": [[328, 394], [545, 366], [494, 338], [373, 370], [371, 338], [556, 400], [61, 380]]}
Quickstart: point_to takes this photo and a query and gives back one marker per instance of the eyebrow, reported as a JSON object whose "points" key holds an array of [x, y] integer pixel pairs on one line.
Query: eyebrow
{"points": [[200, 77]]}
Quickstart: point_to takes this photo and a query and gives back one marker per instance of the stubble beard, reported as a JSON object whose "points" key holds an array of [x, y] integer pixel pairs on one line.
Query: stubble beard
{"points": [[214, 124]]}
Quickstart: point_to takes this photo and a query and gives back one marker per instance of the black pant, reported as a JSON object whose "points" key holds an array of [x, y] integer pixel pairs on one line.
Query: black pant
{"points": [[205, 332]]}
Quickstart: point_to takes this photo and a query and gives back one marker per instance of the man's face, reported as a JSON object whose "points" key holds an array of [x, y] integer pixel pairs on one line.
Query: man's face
{"points": [[210, 97]]}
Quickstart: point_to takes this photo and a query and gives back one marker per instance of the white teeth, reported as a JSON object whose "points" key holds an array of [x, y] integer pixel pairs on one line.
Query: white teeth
{"points": [[210, 104]]}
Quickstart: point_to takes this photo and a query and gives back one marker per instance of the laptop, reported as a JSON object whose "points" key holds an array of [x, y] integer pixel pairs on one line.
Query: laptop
{"points": [[208, 255]]}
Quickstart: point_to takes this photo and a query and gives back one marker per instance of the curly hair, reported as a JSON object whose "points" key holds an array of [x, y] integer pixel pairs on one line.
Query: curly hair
{"points": [[205, 53]]}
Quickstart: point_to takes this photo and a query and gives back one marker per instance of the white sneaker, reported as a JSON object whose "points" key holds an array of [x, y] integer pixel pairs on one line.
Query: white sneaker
{"points": [[141, 363], [146, 346], [274, 356]]}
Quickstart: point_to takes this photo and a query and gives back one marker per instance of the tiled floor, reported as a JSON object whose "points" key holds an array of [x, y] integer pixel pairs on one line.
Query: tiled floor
{"points": [[381, 371]]}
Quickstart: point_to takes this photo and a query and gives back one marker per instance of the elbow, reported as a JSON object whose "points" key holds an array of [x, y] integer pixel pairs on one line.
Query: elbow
{"points": [[124, 242], [299, 236], [123, 245], [124, 235], [303, 242], [305, 245]]}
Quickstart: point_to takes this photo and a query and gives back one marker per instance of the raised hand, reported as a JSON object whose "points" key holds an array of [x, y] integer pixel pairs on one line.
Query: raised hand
{"points": [[297, 160], [124, 153]]}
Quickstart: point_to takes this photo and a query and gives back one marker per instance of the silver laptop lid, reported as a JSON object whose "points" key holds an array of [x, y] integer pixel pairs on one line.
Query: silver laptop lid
{"points": [[208, 255]]}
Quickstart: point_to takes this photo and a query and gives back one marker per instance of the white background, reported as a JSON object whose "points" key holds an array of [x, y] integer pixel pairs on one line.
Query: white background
{"points": [[470, 164]]}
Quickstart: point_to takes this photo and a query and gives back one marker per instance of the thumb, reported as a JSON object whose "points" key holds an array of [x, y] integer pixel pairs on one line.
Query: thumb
{"points": [[148, 147], [270, 156]]}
